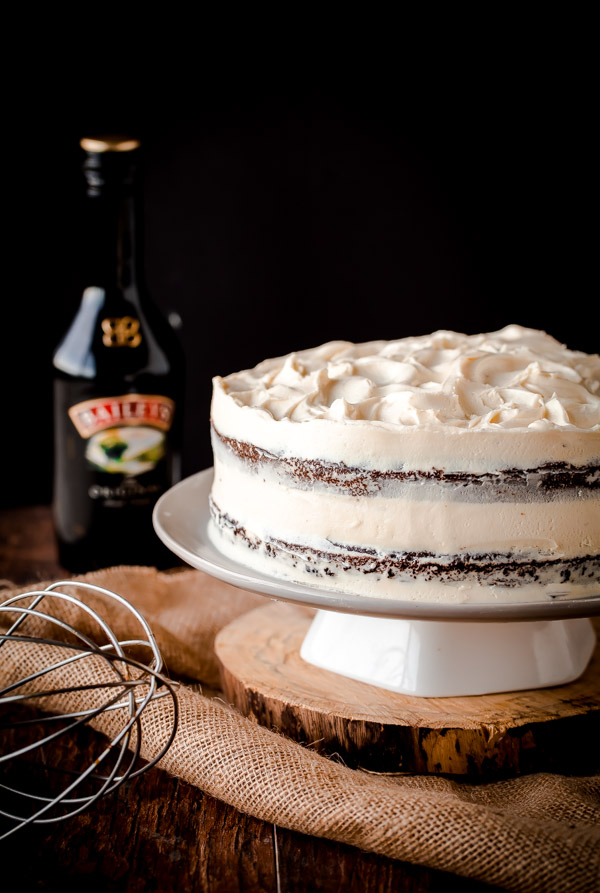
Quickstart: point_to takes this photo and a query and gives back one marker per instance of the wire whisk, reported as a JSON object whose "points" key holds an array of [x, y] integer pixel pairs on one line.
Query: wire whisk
{"points": [[60, 658]]}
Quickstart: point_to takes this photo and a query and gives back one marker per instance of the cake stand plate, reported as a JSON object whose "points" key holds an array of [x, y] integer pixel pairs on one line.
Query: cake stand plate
{"points": [[488, 736], [423, 649]]}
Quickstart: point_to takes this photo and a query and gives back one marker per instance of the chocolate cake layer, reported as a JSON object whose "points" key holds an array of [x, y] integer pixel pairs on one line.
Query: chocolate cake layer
{"points": [[496, 569], [511, 482]]}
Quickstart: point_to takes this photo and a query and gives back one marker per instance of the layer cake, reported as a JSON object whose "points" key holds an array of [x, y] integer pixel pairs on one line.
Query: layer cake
{"points": [[445, 467]]}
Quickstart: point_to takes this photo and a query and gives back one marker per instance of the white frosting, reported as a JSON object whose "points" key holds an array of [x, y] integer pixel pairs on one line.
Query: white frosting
{"points": [[514, 378], [320, 519], [408, 403]]}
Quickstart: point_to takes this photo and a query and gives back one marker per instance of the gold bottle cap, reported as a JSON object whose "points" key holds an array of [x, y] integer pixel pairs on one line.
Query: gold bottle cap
{"points": [[108, 144]]}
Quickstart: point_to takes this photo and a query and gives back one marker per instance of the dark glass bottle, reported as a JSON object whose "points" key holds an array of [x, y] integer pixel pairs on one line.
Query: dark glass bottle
{"points": [[118, 384]]}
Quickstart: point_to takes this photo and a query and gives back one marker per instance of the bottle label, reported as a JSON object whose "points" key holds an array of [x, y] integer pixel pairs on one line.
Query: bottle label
{"points": [[125, 435]]}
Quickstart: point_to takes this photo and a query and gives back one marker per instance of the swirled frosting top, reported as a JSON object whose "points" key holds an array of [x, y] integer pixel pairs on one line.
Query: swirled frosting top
{"points": [[515, 379]]}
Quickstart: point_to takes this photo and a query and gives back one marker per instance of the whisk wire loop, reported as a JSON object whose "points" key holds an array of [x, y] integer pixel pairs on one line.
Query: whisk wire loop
{"points": [[88, 675]]}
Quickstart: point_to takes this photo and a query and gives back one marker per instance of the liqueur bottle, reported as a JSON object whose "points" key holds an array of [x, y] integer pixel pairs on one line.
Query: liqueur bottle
{"points": [[118, 377]]}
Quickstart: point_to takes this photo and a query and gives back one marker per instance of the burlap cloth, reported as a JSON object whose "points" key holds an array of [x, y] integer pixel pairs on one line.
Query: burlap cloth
{"points": [[539, 832]]}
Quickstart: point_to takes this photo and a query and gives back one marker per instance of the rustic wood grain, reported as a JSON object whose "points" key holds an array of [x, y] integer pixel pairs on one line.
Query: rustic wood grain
{"points": [[495, 735], [157, 833], [154, 833]]}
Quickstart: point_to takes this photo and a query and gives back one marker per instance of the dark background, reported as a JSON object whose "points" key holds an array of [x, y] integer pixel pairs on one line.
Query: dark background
{"points": [[358, 190]]}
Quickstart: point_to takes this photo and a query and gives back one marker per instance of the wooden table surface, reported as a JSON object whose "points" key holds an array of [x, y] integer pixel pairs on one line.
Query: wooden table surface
{"points": [[159, 833]]}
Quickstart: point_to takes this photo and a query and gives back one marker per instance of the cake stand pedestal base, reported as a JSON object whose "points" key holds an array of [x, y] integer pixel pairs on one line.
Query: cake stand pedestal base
{"points": [[478, 736], [438, 659]]}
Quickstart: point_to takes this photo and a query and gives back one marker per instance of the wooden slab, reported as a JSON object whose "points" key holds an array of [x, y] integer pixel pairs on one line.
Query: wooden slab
{"points": [[483, 736]]}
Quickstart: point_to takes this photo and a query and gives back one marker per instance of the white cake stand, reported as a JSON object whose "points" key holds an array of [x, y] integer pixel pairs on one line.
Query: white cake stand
{"points": [[423, 649]]}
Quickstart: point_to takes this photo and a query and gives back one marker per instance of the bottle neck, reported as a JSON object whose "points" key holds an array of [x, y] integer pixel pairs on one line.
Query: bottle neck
{"points": [[113, 240]]}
